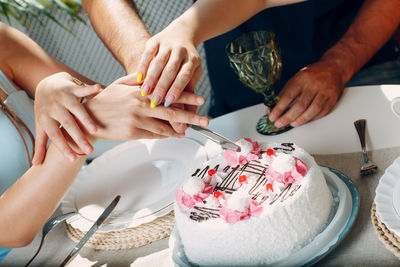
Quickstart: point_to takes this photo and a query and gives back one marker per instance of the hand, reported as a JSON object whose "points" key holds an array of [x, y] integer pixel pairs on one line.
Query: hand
{"points": [[313, 91], [122, 113], [181, 127], [57, 102], [170, 64]]}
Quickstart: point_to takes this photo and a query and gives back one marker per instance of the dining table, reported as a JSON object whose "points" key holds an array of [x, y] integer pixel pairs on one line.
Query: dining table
{"points": [[332, 140]]}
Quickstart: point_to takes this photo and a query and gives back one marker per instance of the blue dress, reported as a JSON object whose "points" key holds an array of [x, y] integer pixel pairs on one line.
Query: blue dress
{"points": [[4, 252], [14, 160], [303, 30]]}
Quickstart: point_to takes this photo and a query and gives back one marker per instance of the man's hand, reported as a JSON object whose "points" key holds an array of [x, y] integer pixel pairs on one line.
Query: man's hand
{"points": [[319, 85], [312, 92]]}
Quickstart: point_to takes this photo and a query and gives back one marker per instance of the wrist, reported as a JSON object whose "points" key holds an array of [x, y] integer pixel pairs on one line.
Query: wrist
{"points": [[133, 56], [335, 67], [186, 29], [338, 66]]}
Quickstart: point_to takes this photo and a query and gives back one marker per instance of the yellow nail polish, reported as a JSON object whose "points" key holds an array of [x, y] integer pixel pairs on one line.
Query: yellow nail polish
{"points": [[143, 93], [139, 77], [153, 103]]}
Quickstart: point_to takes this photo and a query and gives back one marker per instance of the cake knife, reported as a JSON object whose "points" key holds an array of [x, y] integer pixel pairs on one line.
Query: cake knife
{"points": [[92, 230], [217, 138]]}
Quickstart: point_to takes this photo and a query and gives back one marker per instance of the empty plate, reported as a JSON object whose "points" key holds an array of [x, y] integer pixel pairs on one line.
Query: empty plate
{"points": [[146, 173]]}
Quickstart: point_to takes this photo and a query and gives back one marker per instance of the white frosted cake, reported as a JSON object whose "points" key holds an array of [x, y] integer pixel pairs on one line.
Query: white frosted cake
{"points": [[252, 208]]}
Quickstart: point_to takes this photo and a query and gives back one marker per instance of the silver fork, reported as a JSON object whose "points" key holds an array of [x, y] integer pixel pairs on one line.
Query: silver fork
{"points": [[47, 228], [368, 166]]}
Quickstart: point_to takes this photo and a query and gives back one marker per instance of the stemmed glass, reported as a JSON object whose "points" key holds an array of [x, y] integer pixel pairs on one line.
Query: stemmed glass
{"points": [[256, 58]]}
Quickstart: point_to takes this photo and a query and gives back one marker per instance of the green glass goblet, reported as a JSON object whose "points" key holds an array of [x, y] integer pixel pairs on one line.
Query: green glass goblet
{"points": [[256, 58]]}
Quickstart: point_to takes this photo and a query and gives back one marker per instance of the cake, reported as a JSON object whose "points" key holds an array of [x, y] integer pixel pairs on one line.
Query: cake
{"points": [[254, 207]]}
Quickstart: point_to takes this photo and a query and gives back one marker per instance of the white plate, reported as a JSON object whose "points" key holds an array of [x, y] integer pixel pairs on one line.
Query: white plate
{"points": [[387, 197], [342, 217], [146, 173]]}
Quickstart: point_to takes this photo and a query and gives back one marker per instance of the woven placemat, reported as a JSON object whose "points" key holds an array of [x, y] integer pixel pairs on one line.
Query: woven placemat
{"points": [[128, 238], [388, 238]]}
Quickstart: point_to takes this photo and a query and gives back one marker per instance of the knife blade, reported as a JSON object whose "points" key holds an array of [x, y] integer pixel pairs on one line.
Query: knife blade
{"points": [[217, 138], [92, 229]]}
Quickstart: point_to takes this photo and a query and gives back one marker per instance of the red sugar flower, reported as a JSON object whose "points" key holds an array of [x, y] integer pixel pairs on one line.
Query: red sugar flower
{"points": [[269, 187], [242, 179], [211, 172], [270, 152], [218, 194]]}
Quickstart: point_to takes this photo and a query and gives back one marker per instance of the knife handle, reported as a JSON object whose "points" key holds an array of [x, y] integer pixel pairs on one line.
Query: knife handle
{"points": [[67, 259]]}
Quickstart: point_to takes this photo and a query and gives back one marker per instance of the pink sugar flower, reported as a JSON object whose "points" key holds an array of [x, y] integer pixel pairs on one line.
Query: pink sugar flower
{"points": [[233, 158], [187, 201], [297, 173], [206, 192], [256, 147], [233, 216]]}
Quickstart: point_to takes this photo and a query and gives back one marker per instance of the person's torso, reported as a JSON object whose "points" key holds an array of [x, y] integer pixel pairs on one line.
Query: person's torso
{"points": [[14, 138], [304, 32]]}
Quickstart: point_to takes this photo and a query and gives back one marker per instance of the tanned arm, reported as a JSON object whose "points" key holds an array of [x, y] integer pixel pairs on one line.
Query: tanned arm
{"points": [[120, 28], [19, 51], [375, 23], [317, 87]]}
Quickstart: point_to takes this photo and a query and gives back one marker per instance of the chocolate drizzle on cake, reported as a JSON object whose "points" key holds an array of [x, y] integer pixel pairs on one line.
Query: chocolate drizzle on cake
{"points": [[204, 171], [288, 147], [203, 213], [285, 194], [230, 184]]}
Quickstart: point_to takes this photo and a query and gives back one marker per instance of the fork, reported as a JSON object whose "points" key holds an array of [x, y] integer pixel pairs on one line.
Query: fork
{"points": [[50, 224], [368, 166]]}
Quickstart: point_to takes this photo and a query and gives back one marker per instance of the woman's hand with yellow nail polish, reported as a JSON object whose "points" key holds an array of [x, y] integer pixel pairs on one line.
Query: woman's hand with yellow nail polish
{"points": [[170, 64], [139, 77], [154, 101]]}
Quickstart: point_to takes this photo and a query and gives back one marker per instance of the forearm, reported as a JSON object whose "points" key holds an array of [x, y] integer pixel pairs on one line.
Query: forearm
{"points": [[25, 62], [372, 28], [209, 18], [27, 204], [120, 28]]}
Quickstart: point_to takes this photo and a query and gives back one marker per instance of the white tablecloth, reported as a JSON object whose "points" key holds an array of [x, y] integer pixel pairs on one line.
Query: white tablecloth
{"points": [[334, 133]]}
